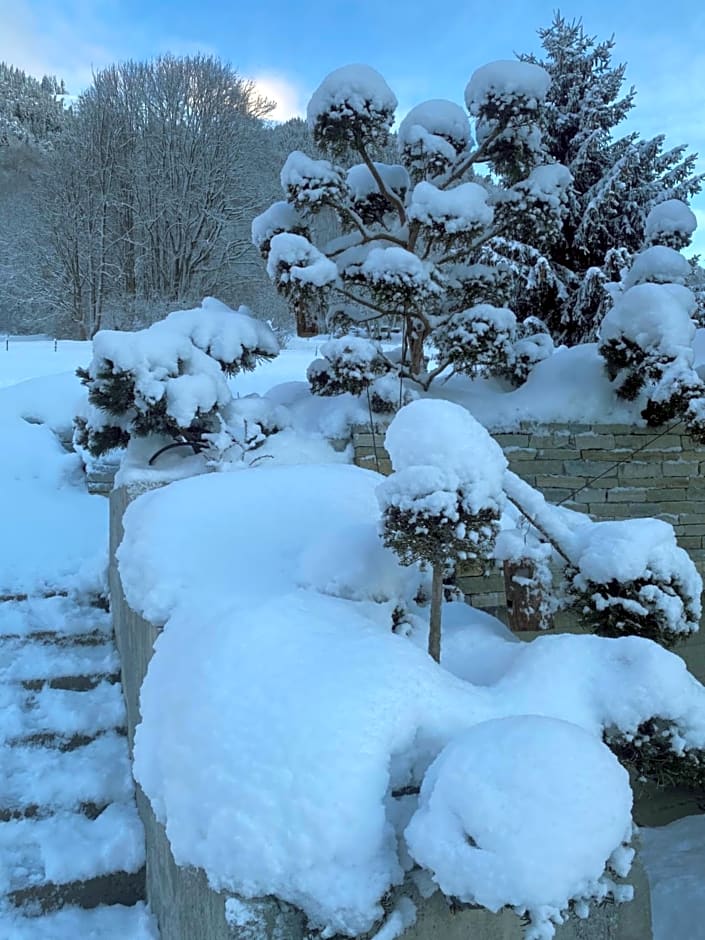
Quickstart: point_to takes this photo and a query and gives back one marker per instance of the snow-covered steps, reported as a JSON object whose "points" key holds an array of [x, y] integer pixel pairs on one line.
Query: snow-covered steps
{"points": [[70, 836], [39, 781], [116, 922], [60, 716], [54, 619], [70, 859]]}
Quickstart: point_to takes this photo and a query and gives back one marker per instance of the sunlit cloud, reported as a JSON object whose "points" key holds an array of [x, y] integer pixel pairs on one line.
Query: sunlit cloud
{"points": [[290, 98]]}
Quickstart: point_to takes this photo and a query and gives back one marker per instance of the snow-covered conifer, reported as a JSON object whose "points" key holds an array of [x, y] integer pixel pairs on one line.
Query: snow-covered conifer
{"points": [[444, 499], [411, 235], [169, 380]]}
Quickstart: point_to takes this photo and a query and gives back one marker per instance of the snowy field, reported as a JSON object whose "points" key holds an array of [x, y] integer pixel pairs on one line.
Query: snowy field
{"points": [[60, 535]]}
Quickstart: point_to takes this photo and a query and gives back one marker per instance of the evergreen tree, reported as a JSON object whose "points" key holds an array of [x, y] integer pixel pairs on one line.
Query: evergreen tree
{"points": [[615, 184]]}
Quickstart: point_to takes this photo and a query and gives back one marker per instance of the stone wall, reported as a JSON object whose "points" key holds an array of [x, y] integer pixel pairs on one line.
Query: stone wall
{"points": [[611, 471]]}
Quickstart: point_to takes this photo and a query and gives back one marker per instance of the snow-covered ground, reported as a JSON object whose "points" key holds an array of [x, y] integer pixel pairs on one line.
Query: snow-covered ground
{"points": [[325, 589]]}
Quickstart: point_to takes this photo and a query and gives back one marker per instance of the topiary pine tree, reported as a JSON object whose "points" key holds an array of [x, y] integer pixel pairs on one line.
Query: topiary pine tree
{"points": [[615, 184], [411, 235]]}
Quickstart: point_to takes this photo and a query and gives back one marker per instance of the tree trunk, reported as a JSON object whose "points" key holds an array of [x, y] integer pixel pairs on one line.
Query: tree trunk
{"points": [[434, 633]]}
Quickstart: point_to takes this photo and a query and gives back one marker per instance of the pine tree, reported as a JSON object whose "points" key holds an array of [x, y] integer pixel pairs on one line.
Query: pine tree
{"points": [[615, 181], [413, 231]]}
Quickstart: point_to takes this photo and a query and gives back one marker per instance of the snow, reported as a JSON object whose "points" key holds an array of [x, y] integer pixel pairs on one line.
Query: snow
{"points": [[507, 81], [115, 922], [669, 217], [445, 436], [396, 266], [279, 217], [352, 91], [307, 180], [534, 839], [293, 258], [659, 265], [58, 530], [432, 124], [657, 317], [549, 183], [461, 209], [24, 360], [269, 745], [362, 184]]}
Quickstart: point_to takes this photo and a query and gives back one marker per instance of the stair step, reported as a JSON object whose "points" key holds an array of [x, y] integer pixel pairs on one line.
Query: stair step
{"points": [[96, 773], [52, 617], [35, 811], [60, 713], [116, 922], [27, 660], [54, 861], [117, 887]]}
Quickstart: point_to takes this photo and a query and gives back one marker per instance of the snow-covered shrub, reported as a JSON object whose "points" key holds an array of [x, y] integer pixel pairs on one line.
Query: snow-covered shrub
{"points": [[625, 577], [389, 393], [245, 424], [348, 364], [479, 340], [532, 345], [632, 578], [444, 499], [170, 379], [413, 234], [646, 338]]}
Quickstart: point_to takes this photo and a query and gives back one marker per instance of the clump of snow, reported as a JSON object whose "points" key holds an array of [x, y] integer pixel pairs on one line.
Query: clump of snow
{"points": [[507, 82], [279, 217], [656, 317], [669, 218], [444, 435], [355, 93], [395, 265], [293, 258], [309, 182], [657, 265], [362, 184], [549, 183], [534, 840], [436, 118], [461, 209]]}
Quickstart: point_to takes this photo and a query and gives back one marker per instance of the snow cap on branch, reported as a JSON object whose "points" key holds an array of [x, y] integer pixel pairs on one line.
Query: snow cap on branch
{"points": [[441, 434], [433, 134], [507, 84], [462, 209], [292, 258], [670, 223], [279, 217], [656, 317], [309, 183], [351, 101]]}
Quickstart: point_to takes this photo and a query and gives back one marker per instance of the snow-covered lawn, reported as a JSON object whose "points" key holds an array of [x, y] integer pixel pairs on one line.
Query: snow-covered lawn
{"points": [[282, 565]]}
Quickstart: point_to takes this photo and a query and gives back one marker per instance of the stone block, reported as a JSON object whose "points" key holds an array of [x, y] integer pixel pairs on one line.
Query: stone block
{"points": [[626, 494], [640, 470], [680, 468], [592, 440]]}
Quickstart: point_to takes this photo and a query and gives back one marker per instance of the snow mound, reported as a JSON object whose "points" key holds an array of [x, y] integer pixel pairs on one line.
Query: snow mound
{"points": [[436, 126], [279, 217], [441, 434], [507, 81], [353, 90], [656, 317], [534, 839], [658, 265], [461, 209], [362, 184], [670, 217]]}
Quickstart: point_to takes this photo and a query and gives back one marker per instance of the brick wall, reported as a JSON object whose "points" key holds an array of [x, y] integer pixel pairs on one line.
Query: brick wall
{"points": [[640, 471]]}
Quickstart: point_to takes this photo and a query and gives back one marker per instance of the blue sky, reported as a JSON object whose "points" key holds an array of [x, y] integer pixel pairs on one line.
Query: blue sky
{"points": [[424, 50]]}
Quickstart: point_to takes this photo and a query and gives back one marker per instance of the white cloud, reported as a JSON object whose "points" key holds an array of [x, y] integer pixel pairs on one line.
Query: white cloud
{"points": [[290, 98]]}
